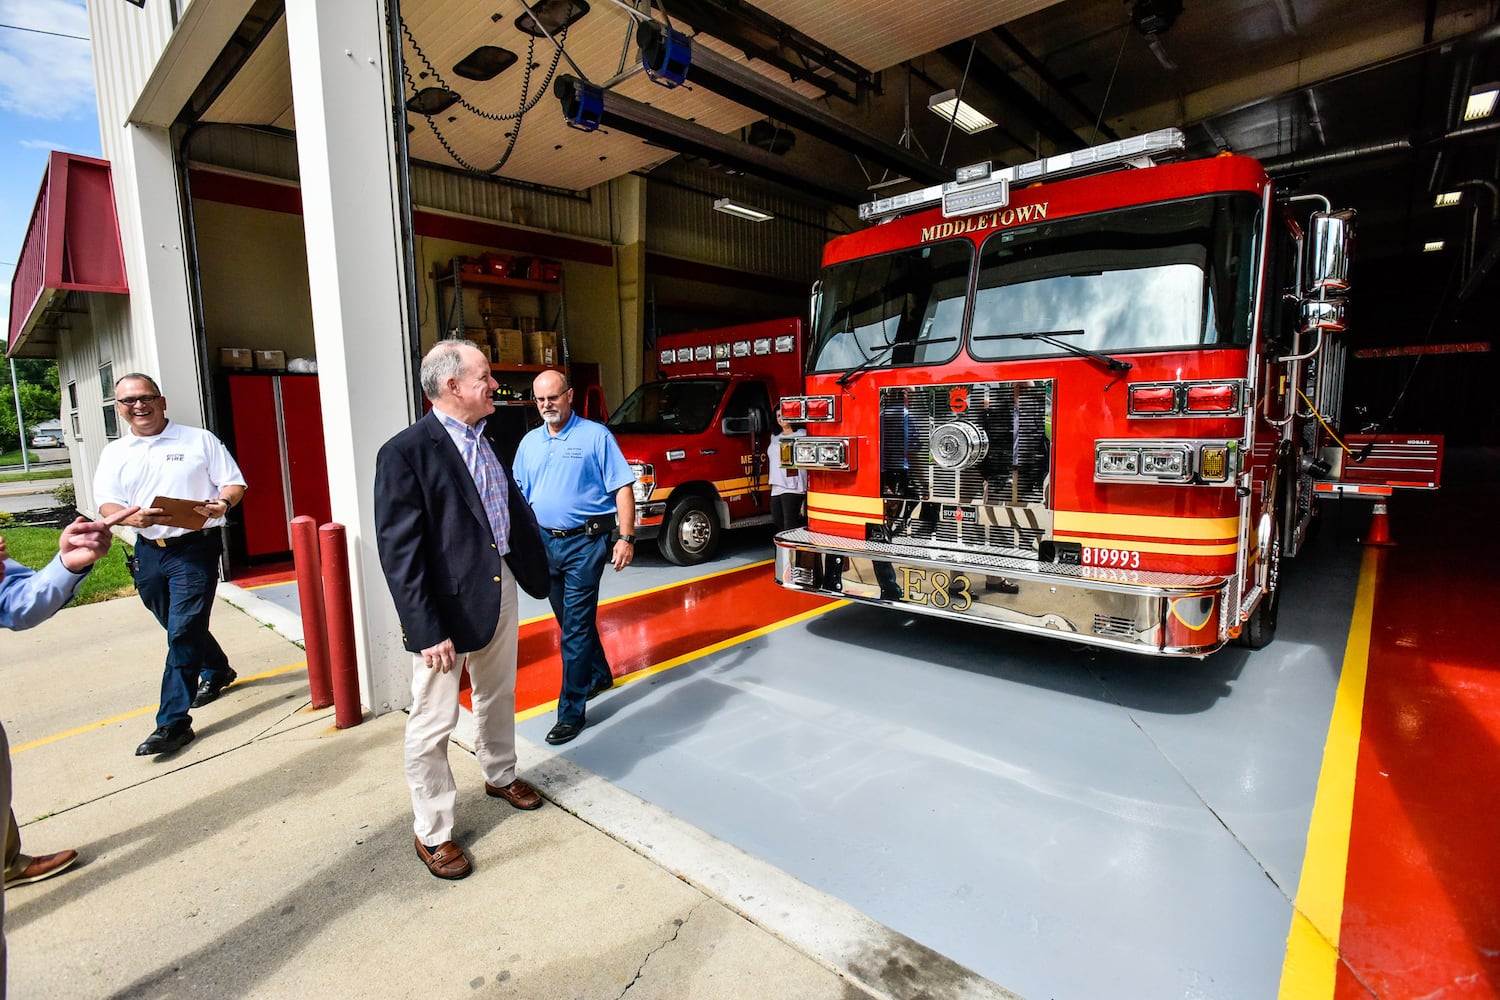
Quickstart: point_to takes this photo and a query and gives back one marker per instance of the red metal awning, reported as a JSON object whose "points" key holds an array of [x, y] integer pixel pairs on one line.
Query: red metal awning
{"points": [[72, 245]]}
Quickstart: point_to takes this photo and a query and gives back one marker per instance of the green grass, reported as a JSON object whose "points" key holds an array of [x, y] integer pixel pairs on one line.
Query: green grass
{"points": [[13, 457], [35, 547], [24, 477]]}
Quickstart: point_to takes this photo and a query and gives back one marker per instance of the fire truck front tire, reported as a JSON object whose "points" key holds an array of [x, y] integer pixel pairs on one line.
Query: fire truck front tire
{"points": [[690, 533]]}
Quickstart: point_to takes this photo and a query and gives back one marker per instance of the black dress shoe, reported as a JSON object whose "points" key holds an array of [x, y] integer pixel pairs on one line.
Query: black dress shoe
{"points": [[563, 732], [166, 739], [209, 688], [602, 686]]}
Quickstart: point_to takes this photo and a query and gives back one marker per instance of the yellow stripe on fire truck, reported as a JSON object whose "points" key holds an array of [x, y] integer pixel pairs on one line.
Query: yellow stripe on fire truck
{"points": [[727, 488], [1146, 526]]}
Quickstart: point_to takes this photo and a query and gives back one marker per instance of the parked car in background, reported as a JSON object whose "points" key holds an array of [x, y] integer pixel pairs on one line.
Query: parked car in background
{"points": [[46, 441]]}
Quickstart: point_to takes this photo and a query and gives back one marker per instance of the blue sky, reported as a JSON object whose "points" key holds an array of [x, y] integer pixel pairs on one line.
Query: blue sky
{"points": [[46, 103]]}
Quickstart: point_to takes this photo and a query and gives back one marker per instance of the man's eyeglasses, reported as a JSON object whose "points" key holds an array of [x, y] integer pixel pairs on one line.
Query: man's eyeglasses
{"points": [[138, 400]]}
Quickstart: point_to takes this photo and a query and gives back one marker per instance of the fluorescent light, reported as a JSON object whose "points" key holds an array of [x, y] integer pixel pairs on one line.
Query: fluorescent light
{"points": [[1432, 246], [731, 207], [1447, 199], [948, 107], [1481, 101]]}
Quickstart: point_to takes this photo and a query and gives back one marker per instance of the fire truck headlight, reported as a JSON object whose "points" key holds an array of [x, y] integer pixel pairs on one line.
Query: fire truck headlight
{"points": [[822, 453], [831, 453], [1115, 462], [1164, 463], [805, 452], [645, 481]]}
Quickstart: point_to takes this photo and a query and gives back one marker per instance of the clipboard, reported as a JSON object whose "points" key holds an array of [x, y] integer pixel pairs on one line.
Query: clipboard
{"points": [[180, 513]]}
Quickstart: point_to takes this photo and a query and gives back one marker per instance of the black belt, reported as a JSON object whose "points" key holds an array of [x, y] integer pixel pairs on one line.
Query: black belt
{"points": [[566, 532], [176, 540]]}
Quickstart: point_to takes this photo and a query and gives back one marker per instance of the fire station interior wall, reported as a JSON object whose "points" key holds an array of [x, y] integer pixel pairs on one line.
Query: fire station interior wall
{"points": [[253, 272]]}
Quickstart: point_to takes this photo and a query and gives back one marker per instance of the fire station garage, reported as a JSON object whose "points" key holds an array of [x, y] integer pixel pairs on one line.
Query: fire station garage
{"points": [[1135, 358]]}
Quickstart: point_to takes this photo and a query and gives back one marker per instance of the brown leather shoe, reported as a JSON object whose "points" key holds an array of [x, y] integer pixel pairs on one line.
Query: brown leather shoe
{"points": [[29, 869], [448, 861], [518, 793]]}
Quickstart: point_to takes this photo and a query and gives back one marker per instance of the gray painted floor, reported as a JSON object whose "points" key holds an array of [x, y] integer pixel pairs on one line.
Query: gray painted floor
{"points": [[1069, 822]]}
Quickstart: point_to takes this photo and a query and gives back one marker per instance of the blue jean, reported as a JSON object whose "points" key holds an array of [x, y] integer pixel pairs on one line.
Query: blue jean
{"points": [[577, 565], [177, 585]]}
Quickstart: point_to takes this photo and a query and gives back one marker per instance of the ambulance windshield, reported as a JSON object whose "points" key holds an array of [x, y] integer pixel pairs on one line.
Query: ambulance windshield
{"points": [[676, 406], [1156, 277]]}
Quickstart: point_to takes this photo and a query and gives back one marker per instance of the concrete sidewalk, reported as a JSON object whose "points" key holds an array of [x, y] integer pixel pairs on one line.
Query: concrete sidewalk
{"points": [[273, 857]]}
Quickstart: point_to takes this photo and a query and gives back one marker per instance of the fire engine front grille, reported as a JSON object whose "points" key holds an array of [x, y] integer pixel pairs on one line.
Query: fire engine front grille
{"points": [[969, 465]]}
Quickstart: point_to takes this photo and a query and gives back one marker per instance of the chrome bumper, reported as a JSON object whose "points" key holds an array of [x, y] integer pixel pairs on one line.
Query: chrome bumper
{"points": [[1158, 613]]}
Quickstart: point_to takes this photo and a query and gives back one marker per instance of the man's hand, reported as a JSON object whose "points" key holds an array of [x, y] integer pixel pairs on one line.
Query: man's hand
{"points": [[621, 556], [441, 657], [136, 517], [84, 543]]}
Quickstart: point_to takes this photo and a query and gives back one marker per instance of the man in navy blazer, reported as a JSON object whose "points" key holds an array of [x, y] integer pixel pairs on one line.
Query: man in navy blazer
{"points": [[455, 537]]}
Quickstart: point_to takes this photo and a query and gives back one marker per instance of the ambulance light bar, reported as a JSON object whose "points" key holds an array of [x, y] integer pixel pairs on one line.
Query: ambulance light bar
{"points": [[1135, 151]]}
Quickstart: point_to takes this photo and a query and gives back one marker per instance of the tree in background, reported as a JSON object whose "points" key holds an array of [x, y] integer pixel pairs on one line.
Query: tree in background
{"points": [[36, 382]]}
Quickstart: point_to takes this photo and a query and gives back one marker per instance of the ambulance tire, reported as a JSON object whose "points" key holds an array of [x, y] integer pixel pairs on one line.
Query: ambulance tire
{"points": [[691, 532]]}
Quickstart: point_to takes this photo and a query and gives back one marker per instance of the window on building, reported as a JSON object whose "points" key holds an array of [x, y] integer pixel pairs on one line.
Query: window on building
{"points": [[107, 389], [73, 410]]}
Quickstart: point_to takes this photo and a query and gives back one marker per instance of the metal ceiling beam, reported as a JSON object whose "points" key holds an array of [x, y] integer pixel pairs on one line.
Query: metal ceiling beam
{"points": [[992, 77], [671, 132], [761, 36], [745, 87], [1050, 79]]}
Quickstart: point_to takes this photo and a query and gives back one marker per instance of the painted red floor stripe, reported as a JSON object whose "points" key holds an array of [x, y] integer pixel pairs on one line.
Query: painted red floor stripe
{"points": [[1422, 896], [649, 628]]}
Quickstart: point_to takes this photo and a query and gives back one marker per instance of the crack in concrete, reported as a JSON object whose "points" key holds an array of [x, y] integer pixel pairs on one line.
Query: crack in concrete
{"points": [[677, 926]]}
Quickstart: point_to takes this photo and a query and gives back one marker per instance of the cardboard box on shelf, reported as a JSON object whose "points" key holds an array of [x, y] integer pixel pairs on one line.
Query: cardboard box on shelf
{"points": [[541, 348], [495, 305], [508, 347], [236, 357], [479, 335], [270, 361]]}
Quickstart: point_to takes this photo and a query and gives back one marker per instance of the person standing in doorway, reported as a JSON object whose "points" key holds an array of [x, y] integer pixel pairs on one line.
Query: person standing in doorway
{"points": [[27, 599], [577, 481], [788, 486], [455, 536], [176, 569]]}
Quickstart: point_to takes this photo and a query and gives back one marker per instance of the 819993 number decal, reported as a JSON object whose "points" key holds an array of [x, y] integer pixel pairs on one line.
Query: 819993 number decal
{"points": [[1120, 558]]}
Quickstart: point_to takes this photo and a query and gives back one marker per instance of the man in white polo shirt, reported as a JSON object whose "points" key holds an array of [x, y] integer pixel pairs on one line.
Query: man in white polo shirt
{"points": [[176, 570]]}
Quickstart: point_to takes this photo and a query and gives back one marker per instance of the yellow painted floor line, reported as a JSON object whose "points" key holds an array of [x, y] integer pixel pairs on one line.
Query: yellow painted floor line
{"points": [[696, 654], [1312, 949], [138, 712], [652, 590]]}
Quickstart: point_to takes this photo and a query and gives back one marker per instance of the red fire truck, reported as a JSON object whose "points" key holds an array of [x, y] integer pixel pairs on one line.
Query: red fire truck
{"points": [[1085, 397], [697, 435]]}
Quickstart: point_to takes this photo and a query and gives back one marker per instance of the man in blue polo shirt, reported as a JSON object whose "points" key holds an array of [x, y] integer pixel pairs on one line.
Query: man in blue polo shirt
{"points": [[575, 477]]}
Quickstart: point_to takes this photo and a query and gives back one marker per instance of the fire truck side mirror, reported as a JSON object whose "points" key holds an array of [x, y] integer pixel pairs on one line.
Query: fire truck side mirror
{"points": [[753, 422], [1331, 245]]}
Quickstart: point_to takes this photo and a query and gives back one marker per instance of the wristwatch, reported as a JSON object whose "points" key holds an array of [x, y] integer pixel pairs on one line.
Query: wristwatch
{"points": [[628, 538]]}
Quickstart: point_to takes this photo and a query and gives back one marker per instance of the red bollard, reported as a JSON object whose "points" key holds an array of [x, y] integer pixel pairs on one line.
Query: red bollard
{"points": [[346, 708], [314, 619]]}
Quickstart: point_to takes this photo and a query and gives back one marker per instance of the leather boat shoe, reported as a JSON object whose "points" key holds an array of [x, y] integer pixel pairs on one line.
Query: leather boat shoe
{"points": [[166, 739], [28, 869], [448, 861], [209, 688], [518, 793], [563, 732]]}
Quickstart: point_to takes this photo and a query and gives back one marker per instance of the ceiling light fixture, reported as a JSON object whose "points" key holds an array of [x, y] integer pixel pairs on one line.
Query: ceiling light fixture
{"points": [[546, 18], [1448, 199], [431, 101], [741, 211], [948, 107], [1481, 102], [1432, 246]]}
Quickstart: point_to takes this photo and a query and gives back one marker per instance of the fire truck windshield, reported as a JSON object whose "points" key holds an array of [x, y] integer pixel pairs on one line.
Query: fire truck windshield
{"points": [[1149, 278], [896, 309], [676, 406]]}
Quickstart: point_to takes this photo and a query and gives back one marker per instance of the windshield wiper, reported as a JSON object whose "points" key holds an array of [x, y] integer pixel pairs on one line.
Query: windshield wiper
{"points": [[1050, 337], [883, 349]]}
